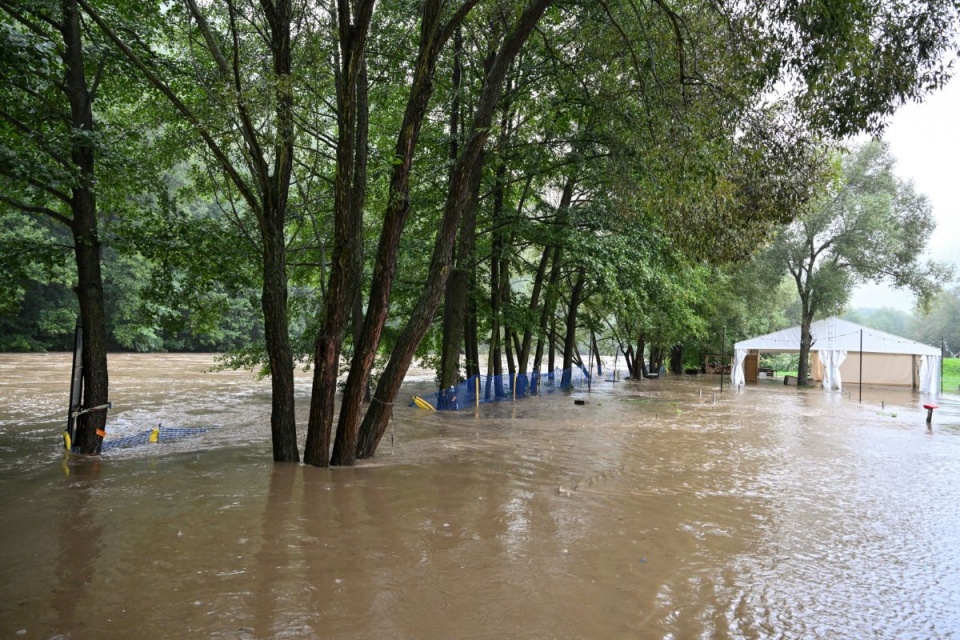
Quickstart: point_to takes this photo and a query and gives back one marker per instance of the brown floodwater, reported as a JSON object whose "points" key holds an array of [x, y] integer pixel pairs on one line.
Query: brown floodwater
{"points": [[652, 511]]}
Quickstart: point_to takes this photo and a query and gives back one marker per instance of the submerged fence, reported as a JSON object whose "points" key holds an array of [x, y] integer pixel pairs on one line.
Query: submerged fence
{"points": [[480, 389]]}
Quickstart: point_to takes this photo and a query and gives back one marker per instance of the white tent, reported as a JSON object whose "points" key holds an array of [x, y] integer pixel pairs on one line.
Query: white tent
{"points": [[841, 349]]}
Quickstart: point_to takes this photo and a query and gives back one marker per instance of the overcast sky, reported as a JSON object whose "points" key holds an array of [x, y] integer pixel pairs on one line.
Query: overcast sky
{"points": [[925, 140]]}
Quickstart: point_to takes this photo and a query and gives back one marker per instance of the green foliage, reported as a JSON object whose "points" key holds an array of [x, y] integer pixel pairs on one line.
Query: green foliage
{"points": [[868, 226], [951, 375], [782, 363], [941, 322], [894, 321], [855, 62]]}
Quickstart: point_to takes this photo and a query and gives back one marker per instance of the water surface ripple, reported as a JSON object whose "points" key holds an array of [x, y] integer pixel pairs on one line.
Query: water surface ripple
{"points": [[659, 509]]}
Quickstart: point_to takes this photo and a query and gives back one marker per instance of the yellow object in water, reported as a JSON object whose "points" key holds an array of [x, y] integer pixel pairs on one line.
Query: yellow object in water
{"points": [[67, 444], [155, 435], [423, 404]]}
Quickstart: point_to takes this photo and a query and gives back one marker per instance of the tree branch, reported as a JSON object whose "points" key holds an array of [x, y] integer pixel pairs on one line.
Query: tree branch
{"points": [[59, 195], [35, 135], [248, 195], [26, 208]]}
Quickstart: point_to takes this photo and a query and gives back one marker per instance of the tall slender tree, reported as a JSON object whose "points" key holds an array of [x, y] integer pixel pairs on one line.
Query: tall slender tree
{"points": [[52, 77]]}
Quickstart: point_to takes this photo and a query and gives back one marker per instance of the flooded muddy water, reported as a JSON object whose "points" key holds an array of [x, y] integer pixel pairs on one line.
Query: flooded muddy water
{"points": [[651, 511]]}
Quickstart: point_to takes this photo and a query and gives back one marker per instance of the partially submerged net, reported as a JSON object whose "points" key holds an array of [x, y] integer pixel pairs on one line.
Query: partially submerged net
{"points": [[152, 436], [481, 389]]}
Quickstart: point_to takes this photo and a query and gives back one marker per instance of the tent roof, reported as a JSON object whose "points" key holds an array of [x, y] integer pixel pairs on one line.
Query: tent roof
{"points": [[836, 334]]}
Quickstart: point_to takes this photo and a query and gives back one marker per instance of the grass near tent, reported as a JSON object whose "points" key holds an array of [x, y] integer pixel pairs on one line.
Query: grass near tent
{"points": [[951, 375]]}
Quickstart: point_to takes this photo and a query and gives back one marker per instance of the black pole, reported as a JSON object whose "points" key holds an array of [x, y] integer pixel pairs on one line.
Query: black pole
{"points": [[943, 348], [861, 366], [76, 385]]}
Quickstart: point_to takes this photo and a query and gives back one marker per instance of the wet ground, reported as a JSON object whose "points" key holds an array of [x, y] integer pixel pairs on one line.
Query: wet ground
{"points": [[659, 509]]}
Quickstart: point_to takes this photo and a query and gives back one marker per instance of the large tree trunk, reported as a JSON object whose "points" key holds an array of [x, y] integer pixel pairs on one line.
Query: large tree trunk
{"points": [[570, 338], [547, 314], [656, 359], [378, 416], [507, 329], [523, 354], [353, 21], [283, 426], [457, 291], [495, 356], [495, 366], [641, 359], [89, 290], [456, 294], [806, 340], [275, 190], [676, 359], [267, 198]]}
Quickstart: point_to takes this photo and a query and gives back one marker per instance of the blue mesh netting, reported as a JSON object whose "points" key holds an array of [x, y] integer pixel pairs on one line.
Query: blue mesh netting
{"points": [[166, 434], [504, 387]]}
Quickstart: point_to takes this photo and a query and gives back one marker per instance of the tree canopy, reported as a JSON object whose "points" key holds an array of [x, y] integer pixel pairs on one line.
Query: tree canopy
{"points": [[867, 226]]}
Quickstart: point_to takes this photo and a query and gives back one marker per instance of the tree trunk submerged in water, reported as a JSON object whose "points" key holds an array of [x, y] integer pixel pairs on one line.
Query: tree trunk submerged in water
{"points": [[86, 241], [806, 340], [676, 359], [283, 426], [353, 21], [571, 335]]}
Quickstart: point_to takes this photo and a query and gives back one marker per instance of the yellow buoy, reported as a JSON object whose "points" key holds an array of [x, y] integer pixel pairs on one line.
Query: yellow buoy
{"points": [[423, 404]]}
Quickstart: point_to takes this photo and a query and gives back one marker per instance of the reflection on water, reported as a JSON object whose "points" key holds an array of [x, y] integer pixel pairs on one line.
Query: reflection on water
{"points": [[649, 512]]}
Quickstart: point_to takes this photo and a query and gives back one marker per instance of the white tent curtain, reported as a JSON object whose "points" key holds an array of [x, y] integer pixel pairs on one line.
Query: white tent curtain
{"points": [[736, 374], [832, 360], [930, 375]]}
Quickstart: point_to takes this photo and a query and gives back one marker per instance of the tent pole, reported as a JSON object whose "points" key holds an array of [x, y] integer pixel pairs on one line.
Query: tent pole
{"points": [[861, 366]]}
